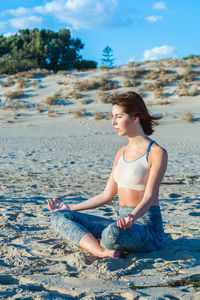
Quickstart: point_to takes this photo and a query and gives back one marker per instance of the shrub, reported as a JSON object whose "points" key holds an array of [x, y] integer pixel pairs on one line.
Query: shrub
{"points": [[105, 84], [79, 113], [59, 82], [10, 65], [105, 98], [39, 110], [149, 103], [131, 64], [14, 105], [21, 83], [182, 91], [50, 100], [8, 82], [163, 102], [85, 101], [132, 74], [109, 116], [99, 115], [194, 92], [159, 94], [188, 116], [130, 83], [14, 94], [36, 85], [103, 68], [102, 84], [85, 64]]}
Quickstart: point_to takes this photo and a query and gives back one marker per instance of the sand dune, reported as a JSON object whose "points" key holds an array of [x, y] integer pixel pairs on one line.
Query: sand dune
{"points": [[50, 153]]}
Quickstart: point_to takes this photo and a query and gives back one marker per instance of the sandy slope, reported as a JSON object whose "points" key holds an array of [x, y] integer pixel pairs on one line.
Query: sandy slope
{"points": [[44, 156]]}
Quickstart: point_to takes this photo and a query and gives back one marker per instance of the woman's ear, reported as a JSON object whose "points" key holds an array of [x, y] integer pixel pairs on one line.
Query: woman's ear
{"points": [[136, 119]]}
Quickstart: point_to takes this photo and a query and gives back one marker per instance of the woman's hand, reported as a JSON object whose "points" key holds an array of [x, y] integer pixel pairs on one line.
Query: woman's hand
{"points": [[60, 206], [125, 223]]}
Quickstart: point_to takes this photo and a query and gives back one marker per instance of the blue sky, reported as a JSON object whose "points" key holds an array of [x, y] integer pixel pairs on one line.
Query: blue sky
{"points": [[135, 29]]}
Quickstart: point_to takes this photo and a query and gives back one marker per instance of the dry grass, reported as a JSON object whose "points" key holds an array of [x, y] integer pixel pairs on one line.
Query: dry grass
{"points": [[21, 83], [149, 103], [52, 113], [14, 105], [59, 82], [51, 100], [194, 92], [156, 74], [133, 74], [105, 97], [163, 102], [39, 110], [188, 116], [99, 115], [158, 94], [79, 113], [36, 85], [149, 87], [102, 84], [131, 64], [33, 73], [184, 90], [9, 82], [130, 83], [14, 94], [188, 78], [85, 101]]}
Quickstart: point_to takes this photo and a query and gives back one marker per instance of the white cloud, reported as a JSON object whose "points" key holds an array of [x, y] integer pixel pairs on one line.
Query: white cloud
{"points": [[84, 13], [8, 34], [17, 12], [160, 53], [27, 22], [51, 7], [131, 60], [160, 5], [154, 19]]}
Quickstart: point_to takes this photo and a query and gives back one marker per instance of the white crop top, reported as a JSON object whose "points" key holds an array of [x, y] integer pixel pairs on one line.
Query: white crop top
{"points": [[132, 174]]}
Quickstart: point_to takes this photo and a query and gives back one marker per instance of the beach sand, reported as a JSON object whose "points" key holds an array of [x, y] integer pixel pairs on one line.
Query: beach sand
{"points": [[45, 155]]}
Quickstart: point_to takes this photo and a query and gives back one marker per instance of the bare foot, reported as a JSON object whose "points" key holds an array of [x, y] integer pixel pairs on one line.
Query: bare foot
{"points": [[109, 253]]}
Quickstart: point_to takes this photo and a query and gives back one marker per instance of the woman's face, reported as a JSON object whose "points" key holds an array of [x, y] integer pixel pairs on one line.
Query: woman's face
{"points": [[122, 122]]}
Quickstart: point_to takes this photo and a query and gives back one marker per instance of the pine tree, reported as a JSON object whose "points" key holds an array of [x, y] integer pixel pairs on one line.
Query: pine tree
{"points": [[108, 58]]}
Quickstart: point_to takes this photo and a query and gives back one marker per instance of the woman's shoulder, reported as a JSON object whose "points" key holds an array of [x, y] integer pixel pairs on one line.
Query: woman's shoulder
{"points": [[119, 153], [158, 151]]}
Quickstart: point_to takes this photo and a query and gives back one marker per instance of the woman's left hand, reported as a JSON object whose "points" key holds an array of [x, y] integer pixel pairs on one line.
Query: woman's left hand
{"points": [[125, 223], [61, 205]]}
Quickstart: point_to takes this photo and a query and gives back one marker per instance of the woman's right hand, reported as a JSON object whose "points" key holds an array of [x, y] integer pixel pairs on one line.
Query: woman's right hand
{"points": [[61, 205]]}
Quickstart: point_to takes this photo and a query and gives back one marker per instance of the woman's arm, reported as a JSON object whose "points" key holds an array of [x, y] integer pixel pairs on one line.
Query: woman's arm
{"points": [[103, 198], [158, 163]]}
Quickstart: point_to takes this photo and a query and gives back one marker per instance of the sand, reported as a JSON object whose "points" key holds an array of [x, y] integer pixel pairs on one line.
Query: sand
{"points": [[46, 155]]}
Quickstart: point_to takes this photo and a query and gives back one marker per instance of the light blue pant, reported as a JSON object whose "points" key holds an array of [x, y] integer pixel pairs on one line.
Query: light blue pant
{"points": [[146, 234]]}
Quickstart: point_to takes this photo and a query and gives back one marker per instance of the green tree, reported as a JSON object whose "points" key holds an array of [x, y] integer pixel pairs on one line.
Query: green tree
{"points": [[43, 49], [107, 59]]}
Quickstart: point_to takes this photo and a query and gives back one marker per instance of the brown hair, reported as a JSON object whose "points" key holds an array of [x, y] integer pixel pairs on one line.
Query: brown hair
{"points": [[134, 105]]}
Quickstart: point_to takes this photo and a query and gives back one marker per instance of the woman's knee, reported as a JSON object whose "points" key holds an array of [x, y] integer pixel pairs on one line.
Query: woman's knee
{"points": [[58, 216], [110, 236]]}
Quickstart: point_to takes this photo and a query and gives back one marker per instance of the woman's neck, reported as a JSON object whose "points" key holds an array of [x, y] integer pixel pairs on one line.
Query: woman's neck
{"points": [[138, 140]]}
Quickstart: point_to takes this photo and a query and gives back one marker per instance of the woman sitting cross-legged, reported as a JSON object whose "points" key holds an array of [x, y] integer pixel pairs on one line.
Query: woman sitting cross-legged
{"points": [[136, 177]]}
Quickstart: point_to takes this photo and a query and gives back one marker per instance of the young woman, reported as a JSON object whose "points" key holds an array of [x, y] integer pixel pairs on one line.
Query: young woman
{"points": [[136, 176]]}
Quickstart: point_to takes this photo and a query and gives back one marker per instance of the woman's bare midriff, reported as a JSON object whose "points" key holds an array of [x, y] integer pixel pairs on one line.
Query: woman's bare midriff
{"points": [[129, 197]]}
